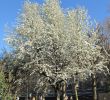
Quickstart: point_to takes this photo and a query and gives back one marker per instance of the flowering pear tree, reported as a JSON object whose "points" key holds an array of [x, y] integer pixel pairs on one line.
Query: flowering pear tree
{"points": [[57, 43]]}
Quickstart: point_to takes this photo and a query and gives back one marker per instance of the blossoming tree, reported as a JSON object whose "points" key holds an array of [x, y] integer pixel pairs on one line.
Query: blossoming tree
{"points": [[59, 43]]}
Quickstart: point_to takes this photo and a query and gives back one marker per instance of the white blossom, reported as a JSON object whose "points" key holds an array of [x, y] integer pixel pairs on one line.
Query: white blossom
{"points": [[57, 42]]}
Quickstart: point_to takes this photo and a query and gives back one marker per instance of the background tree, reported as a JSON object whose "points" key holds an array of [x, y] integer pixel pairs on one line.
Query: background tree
{"points": [[4, 87], [105, 42]]}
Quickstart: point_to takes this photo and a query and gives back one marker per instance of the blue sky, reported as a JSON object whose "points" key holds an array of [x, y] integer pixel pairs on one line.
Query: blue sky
{"points": [[97, 9]]}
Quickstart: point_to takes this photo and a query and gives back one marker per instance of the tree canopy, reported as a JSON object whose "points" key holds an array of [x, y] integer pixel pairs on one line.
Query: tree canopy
{"points": [[55, 44]]}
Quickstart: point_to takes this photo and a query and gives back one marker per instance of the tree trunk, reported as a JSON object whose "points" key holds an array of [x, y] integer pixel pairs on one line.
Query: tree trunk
{"points": [[37, 98], [94, 87], [76, 87], [33, 98], [64, 91], [76, 90], [58, 95], [64, 96], [71, 98], [42, 97], [14, 97]]}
